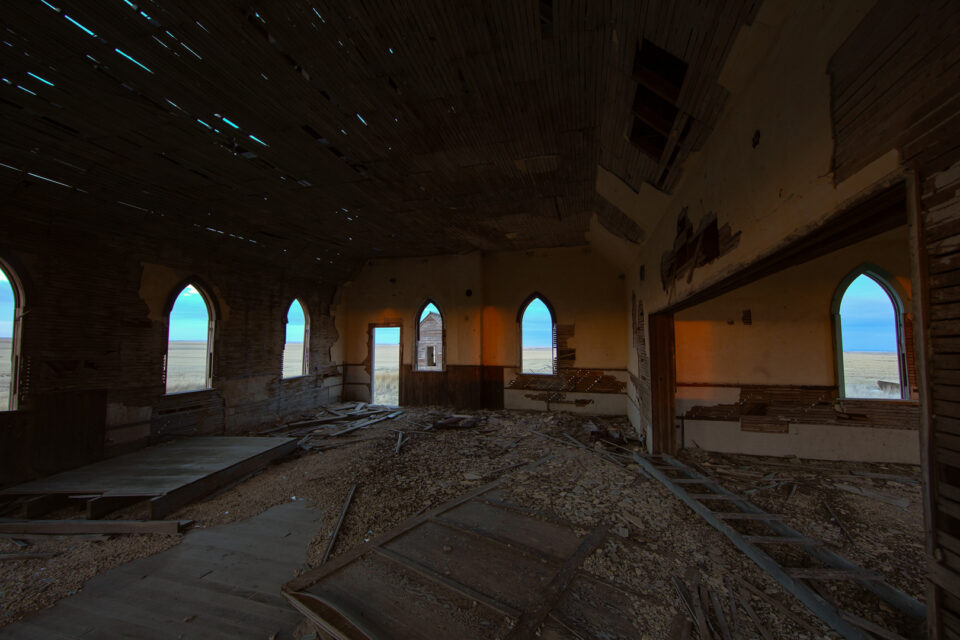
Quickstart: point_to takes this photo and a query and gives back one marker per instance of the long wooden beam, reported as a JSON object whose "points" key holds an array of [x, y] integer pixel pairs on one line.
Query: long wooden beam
{"points": [[823, 609]]}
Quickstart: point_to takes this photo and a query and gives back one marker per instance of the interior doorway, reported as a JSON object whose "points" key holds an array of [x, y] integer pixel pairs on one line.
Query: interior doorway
{"points": [[385, 364]]}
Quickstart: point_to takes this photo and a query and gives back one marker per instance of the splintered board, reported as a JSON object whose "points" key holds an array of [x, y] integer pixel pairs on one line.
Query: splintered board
{"points": [[475, 567], [169, 475]]}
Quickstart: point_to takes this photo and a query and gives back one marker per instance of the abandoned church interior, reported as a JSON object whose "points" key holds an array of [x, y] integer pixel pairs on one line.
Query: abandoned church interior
{"points": [[562, 319]]}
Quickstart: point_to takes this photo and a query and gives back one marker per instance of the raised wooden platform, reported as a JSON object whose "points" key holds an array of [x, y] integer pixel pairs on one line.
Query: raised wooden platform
{"points": [[170, 475]]}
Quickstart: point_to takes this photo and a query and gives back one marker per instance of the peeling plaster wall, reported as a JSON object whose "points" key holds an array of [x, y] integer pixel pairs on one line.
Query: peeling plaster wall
{"points": [[770, 193], [482, 334], [94, 338], [788, 344], [790, 338]]}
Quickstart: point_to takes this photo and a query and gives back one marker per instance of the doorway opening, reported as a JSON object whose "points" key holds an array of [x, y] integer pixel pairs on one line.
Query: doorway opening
{"points": [[385, 386]]}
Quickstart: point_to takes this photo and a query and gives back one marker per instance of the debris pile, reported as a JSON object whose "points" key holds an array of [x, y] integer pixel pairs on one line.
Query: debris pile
{"points": [[590, 480]]}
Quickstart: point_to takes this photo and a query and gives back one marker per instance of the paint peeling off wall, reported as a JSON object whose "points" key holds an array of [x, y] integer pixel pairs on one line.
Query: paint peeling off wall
{"points": [[692, 249]]}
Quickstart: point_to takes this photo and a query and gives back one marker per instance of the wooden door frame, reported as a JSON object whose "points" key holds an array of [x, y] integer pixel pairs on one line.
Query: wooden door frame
{"points": [[371, 345], [663, 383]]}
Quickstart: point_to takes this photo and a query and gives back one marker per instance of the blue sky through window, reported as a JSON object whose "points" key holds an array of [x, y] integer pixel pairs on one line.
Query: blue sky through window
{"points": [[427, 310], [867, 317], [189, 319], [386, 335], [6, 307], [537, 325], [295, 322]]}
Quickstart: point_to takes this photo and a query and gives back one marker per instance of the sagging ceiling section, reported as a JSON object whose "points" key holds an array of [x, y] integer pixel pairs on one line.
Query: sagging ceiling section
{"points": [[325, 134]]}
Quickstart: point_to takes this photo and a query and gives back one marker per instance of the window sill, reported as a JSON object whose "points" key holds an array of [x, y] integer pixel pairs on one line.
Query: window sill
{"points": [[188, 391], [887, 401]]}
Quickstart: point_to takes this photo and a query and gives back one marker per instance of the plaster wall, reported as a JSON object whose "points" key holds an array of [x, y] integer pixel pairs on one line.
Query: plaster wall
{"points": [[790, 338], [481, 328], [789, 343], [866, 444], [769, 193]]}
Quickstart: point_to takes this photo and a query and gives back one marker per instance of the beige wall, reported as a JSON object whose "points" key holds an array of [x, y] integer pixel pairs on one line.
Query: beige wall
{"points": [[481, 329], [389, 290], [790, 340], [583, 289]]}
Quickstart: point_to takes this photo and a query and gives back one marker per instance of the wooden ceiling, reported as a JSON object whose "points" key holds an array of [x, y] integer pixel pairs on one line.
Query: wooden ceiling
{"points": [[327, 133]]}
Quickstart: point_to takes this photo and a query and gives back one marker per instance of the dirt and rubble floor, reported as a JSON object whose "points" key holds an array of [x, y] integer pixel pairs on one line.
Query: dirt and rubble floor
{"points": [[656, 537]]}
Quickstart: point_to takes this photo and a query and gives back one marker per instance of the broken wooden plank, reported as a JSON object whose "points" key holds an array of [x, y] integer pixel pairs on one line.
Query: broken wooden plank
{"points": [[185, 494], [737, 515], [721, 618], [893, 596], [826, 573], [430, 574], [314, 575], [886, 476], [531, 619], [873, 628], [801, 540], [797, 620], [359, 425], [26, 556], [827, 612], [762, 628], [903, 503], [336, 529], [68, 527]]}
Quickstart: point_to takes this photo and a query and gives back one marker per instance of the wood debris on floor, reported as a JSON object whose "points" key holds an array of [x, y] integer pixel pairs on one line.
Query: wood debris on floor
{"points": [[589, 482]]}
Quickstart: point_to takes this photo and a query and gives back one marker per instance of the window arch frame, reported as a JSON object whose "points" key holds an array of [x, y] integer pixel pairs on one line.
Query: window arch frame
{"points": [[305, 368], [19, 310], [553, 326], [212, 316], [886, 282], [442, 361]]}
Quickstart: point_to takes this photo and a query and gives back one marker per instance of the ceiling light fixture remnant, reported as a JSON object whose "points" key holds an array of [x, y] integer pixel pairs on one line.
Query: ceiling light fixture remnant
{"points": [[256, 139], [360, 118]]}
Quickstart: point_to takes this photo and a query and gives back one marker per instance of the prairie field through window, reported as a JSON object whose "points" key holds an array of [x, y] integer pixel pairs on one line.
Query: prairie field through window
{"points": [[871, 365], [295, 342], [538, 351], [187, 353], [7, 309]]}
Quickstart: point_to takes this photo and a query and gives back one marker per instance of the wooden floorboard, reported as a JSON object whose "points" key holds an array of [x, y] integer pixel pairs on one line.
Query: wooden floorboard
{"points": [[228, 578]]}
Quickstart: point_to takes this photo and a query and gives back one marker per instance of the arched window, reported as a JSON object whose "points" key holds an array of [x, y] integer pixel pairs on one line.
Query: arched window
{"points": [[295, 347], [538, 337], [189, 364], [11, 309], [868, 329], [430, 355]]}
